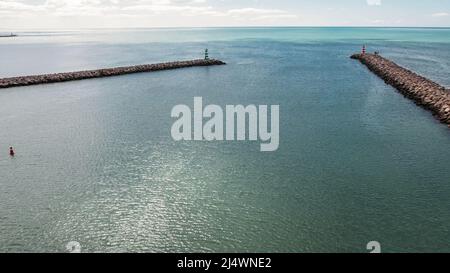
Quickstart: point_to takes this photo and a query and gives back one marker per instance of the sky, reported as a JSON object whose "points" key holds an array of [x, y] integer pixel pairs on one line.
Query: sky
{"points": [[74, 14]]}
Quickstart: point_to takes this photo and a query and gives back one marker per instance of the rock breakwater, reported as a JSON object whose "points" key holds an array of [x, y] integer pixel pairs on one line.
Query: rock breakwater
{"points": [[100, 73], [421, 90]]}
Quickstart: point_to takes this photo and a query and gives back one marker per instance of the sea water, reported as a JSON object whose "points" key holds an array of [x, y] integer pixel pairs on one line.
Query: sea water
{"points": [[95, 161]]}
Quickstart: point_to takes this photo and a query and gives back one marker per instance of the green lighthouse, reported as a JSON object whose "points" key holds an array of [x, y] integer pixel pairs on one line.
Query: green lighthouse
{"points": [[206, 54]]}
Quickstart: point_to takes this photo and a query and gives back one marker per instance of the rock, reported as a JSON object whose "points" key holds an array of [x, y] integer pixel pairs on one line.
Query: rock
{"points": [[108, 72], [424, 92]]}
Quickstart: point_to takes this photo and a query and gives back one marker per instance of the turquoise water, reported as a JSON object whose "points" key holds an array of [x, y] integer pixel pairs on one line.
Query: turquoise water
{"points": [[96, 162]]}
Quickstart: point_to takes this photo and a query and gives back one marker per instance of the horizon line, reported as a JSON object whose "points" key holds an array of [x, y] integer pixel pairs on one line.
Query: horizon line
{"points": [[212, 27]]}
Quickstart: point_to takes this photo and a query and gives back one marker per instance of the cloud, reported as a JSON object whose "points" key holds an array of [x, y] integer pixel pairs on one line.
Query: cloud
{"points": [[134, 8], [374, 2], [440, 14], [7, 6], [378, 21], [254, 14], [73, 14], [253, 11]]}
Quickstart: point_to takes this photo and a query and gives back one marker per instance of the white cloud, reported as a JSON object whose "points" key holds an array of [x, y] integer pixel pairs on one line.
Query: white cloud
{"points": [[254, 14], [134, 8], [7, 6], [374, 2], [378, 21], [72, 14], [440, 14], [253, 11]]}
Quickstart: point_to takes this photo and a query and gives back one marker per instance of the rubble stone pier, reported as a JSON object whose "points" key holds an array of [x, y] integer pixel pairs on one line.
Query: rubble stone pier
{"points": [[421, 90], [99, 73]]}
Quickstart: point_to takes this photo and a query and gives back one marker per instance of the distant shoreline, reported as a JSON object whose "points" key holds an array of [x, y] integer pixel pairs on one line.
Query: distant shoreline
{"points": [[8, 36]]}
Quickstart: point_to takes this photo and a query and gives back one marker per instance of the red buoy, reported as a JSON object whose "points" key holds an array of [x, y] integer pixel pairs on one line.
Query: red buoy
{"points": [[11, 151]]}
